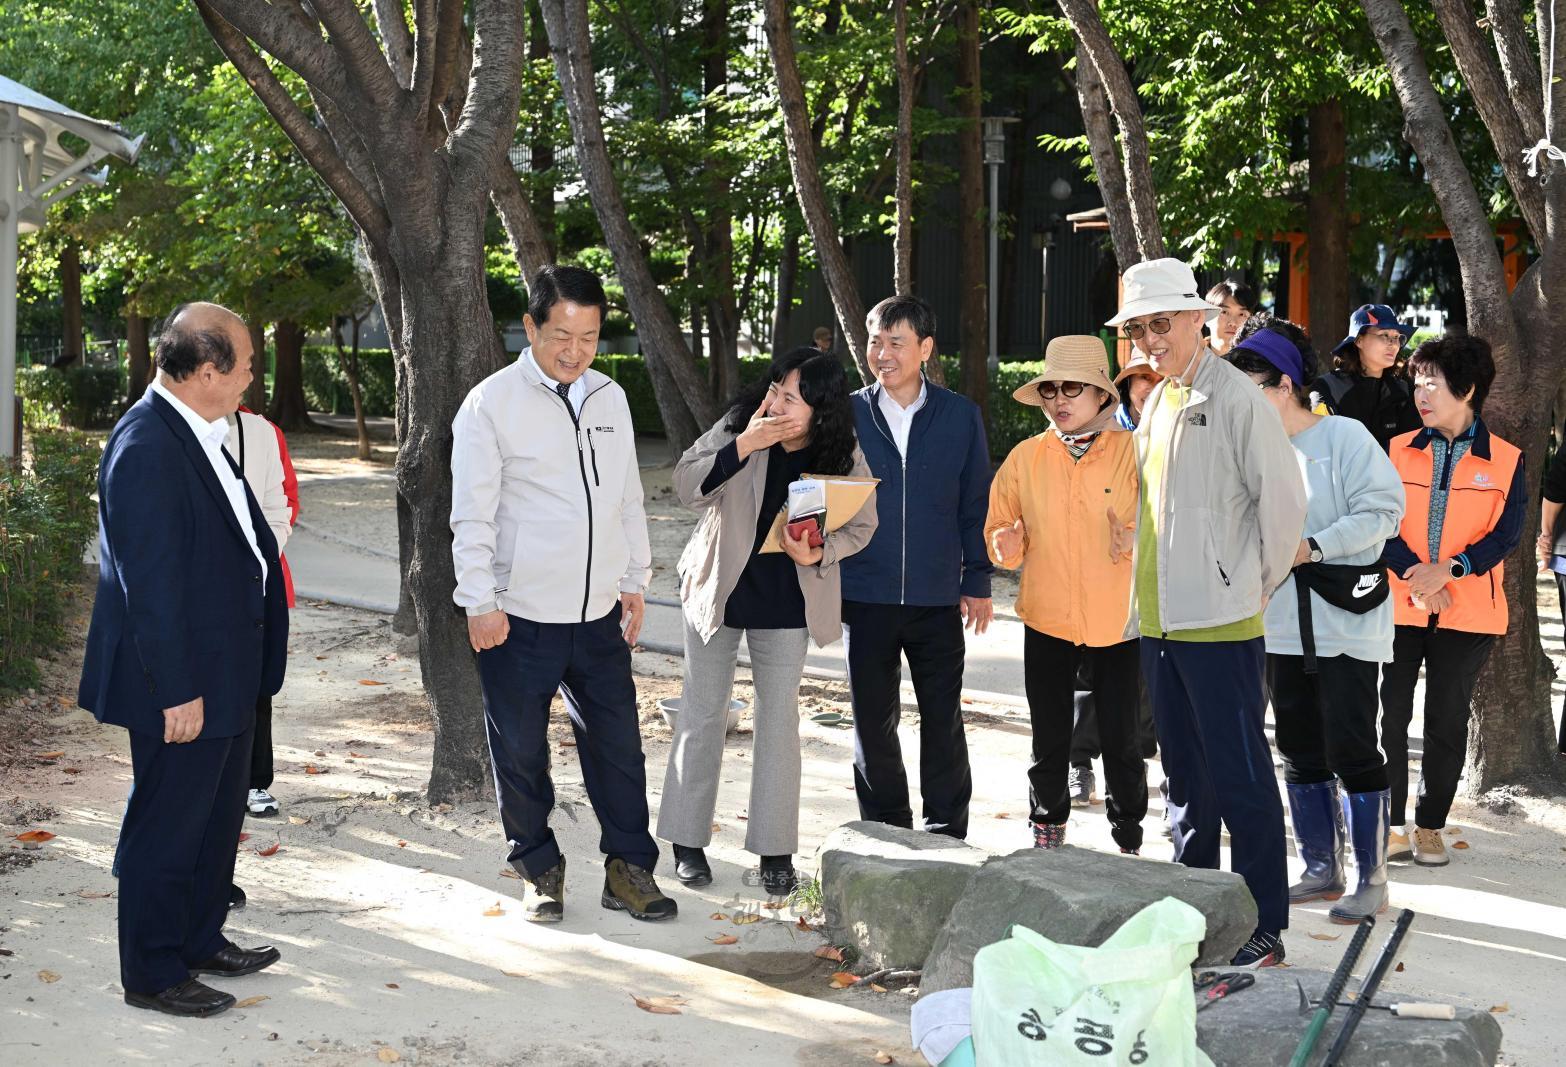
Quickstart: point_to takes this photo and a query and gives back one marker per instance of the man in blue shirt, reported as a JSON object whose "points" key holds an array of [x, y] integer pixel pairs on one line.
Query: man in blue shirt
{"points": [[923, 578]]}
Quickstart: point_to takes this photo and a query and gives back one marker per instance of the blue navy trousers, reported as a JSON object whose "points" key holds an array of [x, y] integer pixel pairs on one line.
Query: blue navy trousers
{"points": [[1208, 704], [590, 665]]}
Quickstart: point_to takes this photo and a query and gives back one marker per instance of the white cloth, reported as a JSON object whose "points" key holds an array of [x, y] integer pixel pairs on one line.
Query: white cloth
{"points": [[211, 436], [576, 391], [260, 459], [547, 518], [899, 419]]}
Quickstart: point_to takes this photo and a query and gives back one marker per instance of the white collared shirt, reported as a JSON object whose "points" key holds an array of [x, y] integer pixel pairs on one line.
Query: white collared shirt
{"points": [[578, 388], [900, 419], [211, 436]]}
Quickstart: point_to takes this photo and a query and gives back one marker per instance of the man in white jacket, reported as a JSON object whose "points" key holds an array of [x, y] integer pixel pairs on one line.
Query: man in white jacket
{"points": [[549, 541]]}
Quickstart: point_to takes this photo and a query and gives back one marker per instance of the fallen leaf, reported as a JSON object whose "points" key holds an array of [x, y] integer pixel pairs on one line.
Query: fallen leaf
{"points": [[1002, 815], [1326, 937], [6, 952], [250, 1002], [842, 980], [660, 1005], [568, 744], [50, 755], [774, 905], [1459, 844], [49, 978], [491, 912], [724, 939], [510, 872], [402, 844], [743, 818], [883, 1057], [1498, 1008], [320, 752], [803, 926], [358, 755], [1399, 966], [93, 894], [878, 987], [393, 985], [716, 827], [243, 837], [320, 657], [270, 850], [745, 918], [71, 770], [829, 952], [514, 974], [388, 1055], [298, 820], [442, 807], [34, 838], [370, 681], [311, 768]]}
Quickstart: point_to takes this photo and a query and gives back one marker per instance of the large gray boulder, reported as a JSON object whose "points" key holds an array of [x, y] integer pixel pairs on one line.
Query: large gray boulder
{"points": [[1079, 897], [887, 891], [1260, 1026]]}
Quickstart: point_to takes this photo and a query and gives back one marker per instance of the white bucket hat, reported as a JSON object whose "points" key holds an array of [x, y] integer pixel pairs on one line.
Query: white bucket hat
{"points": [[1160, 285]]}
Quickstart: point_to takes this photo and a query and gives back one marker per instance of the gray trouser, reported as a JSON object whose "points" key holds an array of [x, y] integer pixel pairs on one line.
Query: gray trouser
{"points": [[690, 785]]}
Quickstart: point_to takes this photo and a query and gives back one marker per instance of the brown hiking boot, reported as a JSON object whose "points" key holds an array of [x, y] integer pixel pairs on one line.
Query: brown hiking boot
{"points": [[1429, 849], [545, 899], [628, 887]]}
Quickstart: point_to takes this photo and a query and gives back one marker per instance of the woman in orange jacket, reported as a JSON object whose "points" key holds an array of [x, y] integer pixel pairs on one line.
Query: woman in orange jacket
{"points": [[1058, 508]]}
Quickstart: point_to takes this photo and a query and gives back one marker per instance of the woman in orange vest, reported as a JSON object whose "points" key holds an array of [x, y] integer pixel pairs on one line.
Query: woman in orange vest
{"points": [[1467, 499], [1058, 508]]}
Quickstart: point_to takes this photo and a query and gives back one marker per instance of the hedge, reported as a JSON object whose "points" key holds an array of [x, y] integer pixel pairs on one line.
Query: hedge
{"points": [[47, 516], [326, 388], [80, 397]]}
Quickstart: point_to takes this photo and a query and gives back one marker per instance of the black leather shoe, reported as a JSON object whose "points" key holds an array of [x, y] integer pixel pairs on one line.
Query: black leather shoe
{"points": [[236, 898], [233, 961], [190, 997], [778, 877], [691, 866]]}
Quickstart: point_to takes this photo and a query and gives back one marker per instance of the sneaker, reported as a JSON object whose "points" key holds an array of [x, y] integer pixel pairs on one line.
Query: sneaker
{"points": [[1398, 845], [1262, 950], [691, 866], [777, 875], [1130, 852], [1046, 835], [545, 896], [628, 887], [1429, 849], [1080, 785], [261, 803]]}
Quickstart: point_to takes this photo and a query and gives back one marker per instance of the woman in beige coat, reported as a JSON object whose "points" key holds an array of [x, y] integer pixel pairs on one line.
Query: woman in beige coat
{"points": [[796, 422]]}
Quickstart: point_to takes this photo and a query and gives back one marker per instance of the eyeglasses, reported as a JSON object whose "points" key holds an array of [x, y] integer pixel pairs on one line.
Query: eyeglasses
{"points": [[1049, 390], [1133, 331]]}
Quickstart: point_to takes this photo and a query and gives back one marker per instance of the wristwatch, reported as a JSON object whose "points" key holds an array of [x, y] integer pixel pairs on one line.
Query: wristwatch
{"points": [[1457, 569], [1315, 550]]}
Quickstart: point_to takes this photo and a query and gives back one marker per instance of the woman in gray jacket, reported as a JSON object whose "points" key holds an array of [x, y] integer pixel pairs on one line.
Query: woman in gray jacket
{"points": [[796, 422], [1329, 629]]}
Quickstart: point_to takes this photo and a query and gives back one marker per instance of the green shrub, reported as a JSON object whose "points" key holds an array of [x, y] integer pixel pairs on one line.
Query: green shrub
{"points": [[47, 516], [81, 397], [326, 386]]}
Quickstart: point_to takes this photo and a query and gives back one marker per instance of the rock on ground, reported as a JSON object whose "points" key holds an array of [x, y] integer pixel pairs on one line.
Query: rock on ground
{"points": [[888, 890], [1080, 897]]}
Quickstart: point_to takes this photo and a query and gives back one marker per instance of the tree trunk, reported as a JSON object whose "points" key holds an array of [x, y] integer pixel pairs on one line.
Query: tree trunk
{"points": [[543, 145], [723, 305], [71, 305], [139, 354], [255, 396], [902, 235], [1327, 224], [683, 399], [973, 305], [289, 408], [783, 310], [348, 360], [807, 184], [1107, 167]]}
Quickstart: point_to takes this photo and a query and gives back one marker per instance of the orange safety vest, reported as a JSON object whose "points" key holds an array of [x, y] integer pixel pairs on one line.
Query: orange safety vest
{"points": [[1474, 503]]}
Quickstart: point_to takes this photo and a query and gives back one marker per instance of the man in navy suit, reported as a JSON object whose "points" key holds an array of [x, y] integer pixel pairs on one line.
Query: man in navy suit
{"points": [[188, 630]]}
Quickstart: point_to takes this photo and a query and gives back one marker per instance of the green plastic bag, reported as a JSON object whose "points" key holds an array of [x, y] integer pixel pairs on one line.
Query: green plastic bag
{"points": [[1127, 1002]]}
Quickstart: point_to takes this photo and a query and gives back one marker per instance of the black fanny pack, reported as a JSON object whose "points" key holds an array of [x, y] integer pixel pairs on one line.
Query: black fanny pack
{"points": [[1355, 588]]}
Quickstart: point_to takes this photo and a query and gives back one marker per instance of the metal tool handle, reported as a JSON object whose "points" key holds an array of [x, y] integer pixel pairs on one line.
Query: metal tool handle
{"points": [[1329, 1001], [1368, 987]]}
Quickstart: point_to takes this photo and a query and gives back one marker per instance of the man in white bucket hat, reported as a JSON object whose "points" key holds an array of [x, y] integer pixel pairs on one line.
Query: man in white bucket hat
{"points": [[1221, 514]]}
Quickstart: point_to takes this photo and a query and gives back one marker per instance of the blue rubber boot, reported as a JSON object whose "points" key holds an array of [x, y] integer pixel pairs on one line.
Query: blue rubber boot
{"points": [[1367, 819], [1318, 836]]}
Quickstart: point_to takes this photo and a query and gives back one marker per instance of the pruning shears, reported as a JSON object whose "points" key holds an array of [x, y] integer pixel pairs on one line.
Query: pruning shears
{"points": [[1216, 985]]}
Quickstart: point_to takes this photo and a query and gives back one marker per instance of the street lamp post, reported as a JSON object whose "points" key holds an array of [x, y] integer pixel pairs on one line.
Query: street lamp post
{"points": [[994, 156]]}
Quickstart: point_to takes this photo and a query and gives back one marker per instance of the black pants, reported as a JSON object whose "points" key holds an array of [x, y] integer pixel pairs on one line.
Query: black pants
{"points": [[1085, 746], [1560, 587], [590, 664], [1452, 660], [176, 855], [1050, 671], [876, 637], [1326, 722], [261, 751]]}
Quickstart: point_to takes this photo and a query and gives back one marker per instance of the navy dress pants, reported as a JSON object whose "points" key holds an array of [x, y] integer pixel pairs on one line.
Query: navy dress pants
{"points": [[1209, 703], [176, 855], [590, 665]]}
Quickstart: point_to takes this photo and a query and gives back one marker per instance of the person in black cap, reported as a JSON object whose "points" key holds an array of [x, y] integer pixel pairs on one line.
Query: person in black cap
{"points": [[1365, 383]]}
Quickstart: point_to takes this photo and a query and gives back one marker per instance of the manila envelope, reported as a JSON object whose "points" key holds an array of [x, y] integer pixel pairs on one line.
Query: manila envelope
{"points": [[844, 497]]}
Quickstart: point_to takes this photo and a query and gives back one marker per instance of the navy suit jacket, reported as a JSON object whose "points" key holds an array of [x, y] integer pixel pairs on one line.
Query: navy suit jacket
{"points": [[181, 610]]}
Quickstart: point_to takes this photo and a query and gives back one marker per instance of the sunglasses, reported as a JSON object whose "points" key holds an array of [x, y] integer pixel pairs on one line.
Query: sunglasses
{"points": [[1049, 390], [1133, 331]]}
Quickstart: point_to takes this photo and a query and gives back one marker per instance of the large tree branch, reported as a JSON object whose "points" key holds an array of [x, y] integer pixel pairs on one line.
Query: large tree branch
{"points": [[1480, 69], [1140, 193], [1425, 127], [392, 25], [367, 212], [902, 230], [281, 33], [1106, 161], [426, 28], [448, 45], [516, 215], [1518, 65], [493, 90], [352, 40]]}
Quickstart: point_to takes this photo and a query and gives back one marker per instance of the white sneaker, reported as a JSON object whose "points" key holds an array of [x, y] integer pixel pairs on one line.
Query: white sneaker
{"points": [[262, 803], [1398, 845]]}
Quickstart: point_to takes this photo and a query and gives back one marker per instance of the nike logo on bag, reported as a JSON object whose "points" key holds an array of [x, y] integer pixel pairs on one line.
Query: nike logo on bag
{"points": [[1366, 585]]}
